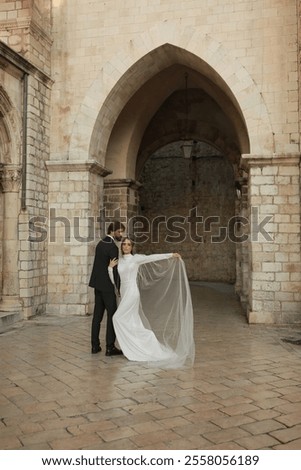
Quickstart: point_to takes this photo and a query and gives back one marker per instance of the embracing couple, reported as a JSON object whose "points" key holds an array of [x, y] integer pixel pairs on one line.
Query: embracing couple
{"points": [[154, 319]]}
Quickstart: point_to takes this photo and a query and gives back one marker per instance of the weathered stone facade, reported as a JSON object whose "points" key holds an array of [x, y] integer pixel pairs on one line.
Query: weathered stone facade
{"points": [[25, 133], [92, 92]]}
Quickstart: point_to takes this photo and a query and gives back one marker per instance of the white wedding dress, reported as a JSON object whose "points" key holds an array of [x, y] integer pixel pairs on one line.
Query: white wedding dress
{"points": [[154, 319]]}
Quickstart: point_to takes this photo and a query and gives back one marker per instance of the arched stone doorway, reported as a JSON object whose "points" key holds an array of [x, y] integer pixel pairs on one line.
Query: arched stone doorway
{"points": [[109, 142], [166, 109]]}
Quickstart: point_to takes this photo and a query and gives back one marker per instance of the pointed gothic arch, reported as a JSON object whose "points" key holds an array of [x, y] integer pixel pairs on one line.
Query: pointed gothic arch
{"points": [[147, 56]]}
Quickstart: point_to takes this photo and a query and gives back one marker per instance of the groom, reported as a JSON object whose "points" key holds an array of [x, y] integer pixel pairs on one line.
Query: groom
{"points": [[105, 298]]}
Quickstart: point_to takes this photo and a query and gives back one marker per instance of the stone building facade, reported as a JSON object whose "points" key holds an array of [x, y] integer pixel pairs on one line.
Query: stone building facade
{"points": [[181, 118]]}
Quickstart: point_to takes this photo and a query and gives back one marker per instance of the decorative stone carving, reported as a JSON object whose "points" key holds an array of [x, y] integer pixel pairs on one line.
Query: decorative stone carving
{"points": [[10, 178]]}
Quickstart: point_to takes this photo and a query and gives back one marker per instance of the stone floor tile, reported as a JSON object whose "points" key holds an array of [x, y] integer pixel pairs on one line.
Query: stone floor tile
{"points": [[271, 403], [261, 415], [287, 434], [231, 421], [150, 426], [292, 445], [132, 420], [240, 409], [43, 436], [290, 419], [200, 429], [10, 443], [172, 423], [155, 439], [169, 412], [262, 427], [78, 442], [114, 434], [259, 442], [190, 443], [226, 435]]}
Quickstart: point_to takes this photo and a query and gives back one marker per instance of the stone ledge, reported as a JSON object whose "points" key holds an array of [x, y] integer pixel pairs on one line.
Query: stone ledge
{"points": [[282, 159], [77, 166]]}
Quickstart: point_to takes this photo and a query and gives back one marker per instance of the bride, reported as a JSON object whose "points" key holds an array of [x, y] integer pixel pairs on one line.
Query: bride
{"points": [[154, 319]]}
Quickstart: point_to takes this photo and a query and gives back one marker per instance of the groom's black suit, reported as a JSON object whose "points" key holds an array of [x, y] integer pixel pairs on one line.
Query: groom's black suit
{"points": [[105, 298]]}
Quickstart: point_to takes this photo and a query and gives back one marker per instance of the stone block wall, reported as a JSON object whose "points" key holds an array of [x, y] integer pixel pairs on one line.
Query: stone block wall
{"points": [[187, 206], [275, 257], [120, 202], [25, 30], [33, 254], [73, 229], [25, 26]]}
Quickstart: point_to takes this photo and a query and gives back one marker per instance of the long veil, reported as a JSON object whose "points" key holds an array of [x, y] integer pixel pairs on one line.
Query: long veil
{"points": [[166, 309]]}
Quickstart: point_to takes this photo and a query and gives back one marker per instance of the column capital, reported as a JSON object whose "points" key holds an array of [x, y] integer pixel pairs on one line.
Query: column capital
{"points": [[10, 178], [122, 183]]}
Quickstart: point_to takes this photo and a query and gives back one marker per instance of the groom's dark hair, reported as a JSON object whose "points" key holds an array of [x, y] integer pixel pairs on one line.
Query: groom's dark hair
{"points": [[115, 225]]}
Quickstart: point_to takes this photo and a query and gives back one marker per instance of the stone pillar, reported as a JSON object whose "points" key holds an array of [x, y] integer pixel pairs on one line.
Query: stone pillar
{"points": [[10, 179], [274, 245], [75, 200], [242, 248], [121, 200]]}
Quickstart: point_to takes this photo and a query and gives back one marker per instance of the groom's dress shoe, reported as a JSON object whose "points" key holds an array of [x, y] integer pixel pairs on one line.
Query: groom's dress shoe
{"points": [[113, 351], [95, 350]]}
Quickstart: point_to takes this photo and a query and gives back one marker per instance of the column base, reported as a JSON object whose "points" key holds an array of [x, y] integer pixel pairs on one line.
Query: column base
{"points": [[267, 318], [10, 312], [10, 304]]}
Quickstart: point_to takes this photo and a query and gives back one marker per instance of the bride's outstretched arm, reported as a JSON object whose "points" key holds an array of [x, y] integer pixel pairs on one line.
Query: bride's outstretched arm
{"points": [[143, 259]]}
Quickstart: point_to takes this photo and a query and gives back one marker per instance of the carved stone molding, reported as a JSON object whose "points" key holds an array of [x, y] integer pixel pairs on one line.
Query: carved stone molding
{"points": [[288, 159], [10, 178], [27, 24]]}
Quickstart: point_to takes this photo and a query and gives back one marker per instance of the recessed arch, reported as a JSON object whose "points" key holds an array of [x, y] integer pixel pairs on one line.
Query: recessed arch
{"points": [[10, 134], [146, 105]]}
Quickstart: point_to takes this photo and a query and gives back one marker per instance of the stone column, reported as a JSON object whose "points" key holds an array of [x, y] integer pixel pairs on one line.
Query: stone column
{"points": [[75, 200], [242, 248], [274, 245], [10, 179]]}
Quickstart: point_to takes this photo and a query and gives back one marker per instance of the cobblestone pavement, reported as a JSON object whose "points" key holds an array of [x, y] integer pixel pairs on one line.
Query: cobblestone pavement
{"points": [[244, 391]]}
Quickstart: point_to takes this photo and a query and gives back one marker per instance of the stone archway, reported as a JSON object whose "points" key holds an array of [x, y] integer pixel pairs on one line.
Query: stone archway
{"points": [[145, 57], [114, 115], [138, 95], [154, 116], [10, 180]]}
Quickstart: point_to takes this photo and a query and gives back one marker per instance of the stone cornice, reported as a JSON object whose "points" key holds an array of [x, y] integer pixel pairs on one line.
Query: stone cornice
{"points": [[26, 23], [20, 63], [122, 183], [285, 159], [91, 166]]}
